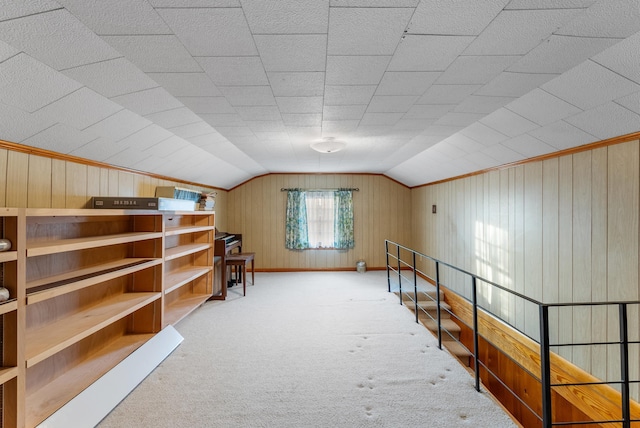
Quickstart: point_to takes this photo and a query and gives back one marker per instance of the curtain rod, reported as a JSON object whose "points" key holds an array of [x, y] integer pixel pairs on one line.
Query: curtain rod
{"points": [[355, 189]]}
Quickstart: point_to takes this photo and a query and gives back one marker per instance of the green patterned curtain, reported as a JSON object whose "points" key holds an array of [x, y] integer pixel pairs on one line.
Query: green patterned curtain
{"points": [[343, 219], [297, 236]]}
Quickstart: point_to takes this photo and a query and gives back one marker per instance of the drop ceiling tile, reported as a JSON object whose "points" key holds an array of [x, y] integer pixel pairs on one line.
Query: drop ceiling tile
{"points": [[562, 135], [148, 101], [304, 119], [427, 111], [265, 125], [193, 26], [267, 113], [351, 30], [216, 105], [618, 59], [17, 125], [418, 52], [80, 109], [516, 32], [447, 94], [618, 19], [194, 3], [406, 83], [128, 158], [297, 84], [503, 155], [632, 102], [219, 120], [459, 119], [391, 103], [99, 149], [589, 85], [356, 70], [483, 134], [374, 3], [165, 148], [549, 4], [464, 143], [560, 53], [292, 52], [155, 53], [348, 95], [112, 77], [174, 117], [413, 124], [192, 130], [300, 104], [117, 17], [339, 126], [6, 52], [508, 123], [13, 9], [235, 131], [482, 104], [447, 151], [606, 121], [349, 112], [380, 119], [186, 84], [508, 84], [59, 138], [287, 16], [481, 160], [542, 108], [528, 146], [210, 142], [119, 125], [146, 137], [475, 70], [48, 36], [462, 17], [248, 95], [234, 71], [30, 85]]}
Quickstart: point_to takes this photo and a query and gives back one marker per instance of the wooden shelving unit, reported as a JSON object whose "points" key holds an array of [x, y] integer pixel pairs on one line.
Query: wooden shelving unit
{"points": [[188, 263], [93, 295], [12, 319], [88, 288]]}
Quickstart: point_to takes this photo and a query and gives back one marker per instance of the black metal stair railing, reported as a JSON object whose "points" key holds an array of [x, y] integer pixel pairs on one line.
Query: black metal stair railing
{"points": [[397, 264]]}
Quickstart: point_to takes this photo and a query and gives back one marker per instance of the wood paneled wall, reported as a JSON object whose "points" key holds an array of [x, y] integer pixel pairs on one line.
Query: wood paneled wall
{"points": [[257, 210], [32, 181], [558, 230]]}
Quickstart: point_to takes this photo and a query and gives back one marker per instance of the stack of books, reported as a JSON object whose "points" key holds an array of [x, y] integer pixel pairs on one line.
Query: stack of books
{"points": [[208, 201]]}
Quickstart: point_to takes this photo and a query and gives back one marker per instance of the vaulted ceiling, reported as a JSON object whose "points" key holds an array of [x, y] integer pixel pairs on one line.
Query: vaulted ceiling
{"points": [[219, 91]]}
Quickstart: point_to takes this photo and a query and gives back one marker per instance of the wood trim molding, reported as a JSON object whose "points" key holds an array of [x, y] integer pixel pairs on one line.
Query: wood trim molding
{"points": [[76, 159], [586, 147], [319, 173]]}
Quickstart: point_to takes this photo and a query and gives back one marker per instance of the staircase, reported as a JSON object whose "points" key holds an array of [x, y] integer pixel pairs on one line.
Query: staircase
{"points": [[450, 329]]}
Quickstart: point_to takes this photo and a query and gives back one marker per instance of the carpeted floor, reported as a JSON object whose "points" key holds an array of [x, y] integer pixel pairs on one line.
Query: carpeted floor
{"points": [[302, 350]]}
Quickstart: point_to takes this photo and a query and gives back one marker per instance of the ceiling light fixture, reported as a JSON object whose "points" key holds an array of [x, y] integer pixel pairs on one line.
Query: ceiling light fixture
{"points": [[328, 145]]}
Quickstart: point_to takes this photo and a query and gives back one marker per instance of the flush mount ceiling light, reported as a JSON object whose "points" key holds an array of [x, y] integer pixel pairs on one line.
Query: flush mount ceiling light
{"points": [[328, 145]]}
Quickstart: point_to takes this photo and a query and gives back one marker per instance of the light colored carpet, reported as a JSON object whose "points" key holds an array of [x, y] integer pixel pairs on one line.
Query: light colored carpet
{"points": [[301, 350]]}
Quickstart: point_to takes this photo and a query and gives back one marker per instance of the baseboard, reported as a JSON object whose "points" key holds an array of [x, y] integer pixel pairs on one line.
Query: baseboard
{"points": [[89, 407]]}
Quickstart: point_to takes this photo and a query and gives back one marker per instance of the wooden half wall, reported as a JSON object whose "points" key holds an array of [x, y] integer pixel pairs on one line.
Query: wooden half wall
{"points": [[257, 210], [560, 229]]}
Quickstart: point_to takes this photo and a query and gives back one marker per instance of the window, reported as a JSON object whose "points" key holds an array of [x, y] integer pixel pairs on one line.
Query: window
{"points": [[319, 219]]}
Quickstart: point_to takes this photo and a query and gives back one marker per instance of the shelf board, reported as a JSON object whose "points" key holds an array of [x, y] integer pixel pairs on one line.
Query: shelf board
{"points": [[177, 279], [43, 342], [53, 246], [171, 231], [182, 307], [8, 306], [8, 256], [53, 286], [184, 250], [7, 373], [49, 398]]}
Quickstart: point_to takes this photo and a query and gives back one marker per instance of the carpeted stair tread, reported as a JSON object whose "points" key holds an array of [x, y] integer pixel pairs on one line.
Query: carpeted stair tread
{"points": [[447, 324], [456, 348]]}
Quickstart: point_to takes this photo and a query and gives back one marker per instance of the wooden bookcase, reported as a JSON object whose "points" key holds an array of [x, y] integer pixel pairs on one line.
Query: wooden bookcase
{"points": [[188, 263], [87, 289]]}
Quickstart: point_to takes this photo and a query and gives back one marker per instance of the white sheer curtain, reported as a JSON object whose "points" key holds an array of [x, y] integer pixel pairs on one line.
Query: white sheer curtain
{"points": [[320, 212]]}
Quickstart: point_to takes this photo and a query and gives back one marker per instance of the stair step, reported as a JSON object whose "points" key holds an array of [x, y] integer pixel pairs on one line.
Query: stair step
{"points": [[447, 324], [429, 307], [458, 351], [422, 295]]}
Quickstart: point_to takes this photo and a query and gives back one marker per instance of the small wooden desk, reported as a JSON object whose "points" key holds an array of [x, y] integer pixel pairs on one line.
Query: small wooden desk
{"points": [[240, 260]]}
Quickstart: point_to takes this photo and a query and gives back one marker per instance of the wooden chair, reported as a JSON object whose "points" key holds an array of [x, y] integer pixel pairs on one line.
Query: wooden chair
{"points": [[239, 261]]}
